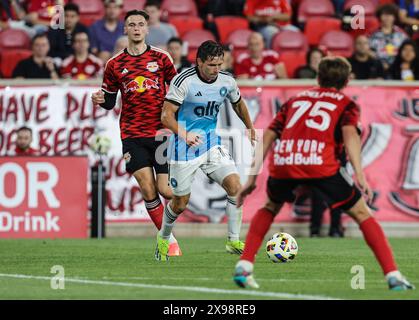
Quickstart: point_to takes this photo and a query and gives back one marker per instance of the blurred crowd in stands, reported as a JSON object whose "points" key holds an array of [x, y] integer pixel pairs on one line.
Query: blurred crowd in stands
{"points": [[263, 39]]}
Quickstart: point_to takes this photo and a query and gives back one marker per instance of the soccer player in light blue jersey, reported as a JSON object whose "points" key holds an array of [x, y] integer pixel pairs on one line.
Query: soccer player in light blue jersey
{"points": [[190, 111]]}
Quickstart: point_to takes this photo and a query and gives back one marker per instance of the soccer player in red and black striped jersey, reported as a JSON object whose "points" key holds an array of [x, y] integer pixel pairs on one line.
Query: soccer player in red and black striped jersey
{"points": [[311, 130], [141, 73]]}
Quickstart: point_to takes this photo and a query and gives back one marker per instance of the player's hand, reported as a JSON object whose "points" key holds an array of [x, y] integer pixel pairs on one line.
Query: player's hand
{"points": [[251, 134], [98, 97], [364, 186], [246, 190], [193, 139]]}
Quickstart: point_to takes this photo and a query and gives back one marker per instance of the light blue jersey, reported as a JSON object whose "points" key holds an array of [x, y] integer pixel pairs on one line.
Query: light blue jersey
{"points": [[199, 103]]}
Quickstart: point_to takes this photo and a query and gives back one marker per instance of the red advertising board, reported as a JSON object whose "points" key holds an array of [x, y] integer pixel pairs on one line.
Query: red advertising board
{"points": [[43, 197]]}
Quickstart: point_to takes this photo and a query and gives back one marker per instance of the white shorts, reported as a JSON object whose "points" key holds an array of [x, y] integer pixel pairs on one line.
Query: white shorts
{"points": [[215, 163]]}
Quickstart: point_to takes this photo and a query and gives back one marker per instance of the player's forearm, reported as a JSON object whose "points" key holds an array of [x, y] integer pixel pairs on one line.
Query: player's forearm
{"points": [[110, 101], [168, 120], [353, 148], [243, 113], [262, 149]]}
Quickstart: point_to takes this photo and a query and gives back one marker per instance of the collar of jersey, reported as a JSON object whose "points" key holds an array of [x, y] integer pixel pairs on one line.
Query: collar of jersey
{"points": [[138, 55], [202, 79]]}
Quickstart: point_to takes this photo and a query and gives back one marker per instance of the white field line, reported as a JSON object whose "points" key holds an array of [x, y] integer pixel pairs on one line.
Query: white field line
{"points": [[277, 295]]}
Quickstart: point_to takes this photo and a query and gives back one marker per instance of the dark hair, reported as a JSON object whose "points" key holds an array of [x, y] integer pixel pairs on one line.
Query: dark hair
{"points": [[334, 72], [389, 8], [152, 3], [209, 49], [24, 128], [175, 39], [227, 47], [395, 68], [38, 36], [136, 13], [310, 52], [72, 7]]}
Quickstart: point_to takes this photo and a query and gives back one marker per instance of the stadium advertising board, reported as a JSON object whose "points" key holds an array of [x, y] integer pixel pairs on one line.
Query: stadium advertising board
{"points": [[64, 121], [43, 197]]}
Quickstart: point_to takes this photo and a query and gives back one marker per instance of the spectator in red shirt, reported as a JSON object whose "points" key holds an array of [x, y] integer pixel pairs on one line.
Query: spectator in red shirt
{"points": [[268, 16], [81, 65], [23, 143], [259, 63]]}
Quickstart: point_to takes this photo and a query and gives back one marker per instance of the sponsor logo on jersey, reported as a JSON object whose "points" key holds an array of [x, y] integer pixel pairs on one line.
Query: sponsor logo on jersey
{"points": [[223, 91], [152, 66], [210, 110], [141, 84]]}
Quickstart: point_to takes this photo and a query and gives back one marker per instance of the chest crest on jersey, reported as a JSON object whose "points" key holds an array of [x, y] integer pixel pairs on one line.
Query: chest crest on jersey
{"points": [[152, 66]]}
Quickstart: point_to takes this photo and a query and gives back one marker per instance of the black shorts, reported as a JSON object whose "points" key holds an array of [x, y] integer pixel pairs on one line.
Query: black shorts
{"points": [[339, 190], [145, 152]]}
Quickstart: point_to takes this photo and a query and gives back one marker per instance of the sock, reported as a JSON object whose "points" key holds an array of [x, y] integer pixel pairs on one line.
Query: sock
{"points": [[377, 241], [259, 226], [234, 215], [155, 210], [169, 219]]}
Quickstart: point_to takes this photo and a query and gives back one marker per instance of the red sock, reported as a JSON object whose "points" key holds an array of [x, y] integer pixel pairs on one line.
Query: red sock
{"points": [[377, 241], [155, 210], [261, 222]]}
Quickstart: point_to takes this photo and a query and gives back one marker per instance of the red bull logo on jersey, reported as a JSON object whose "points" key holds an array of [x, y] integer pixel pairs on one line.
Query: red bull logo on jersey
{"points": [[141, 84]]}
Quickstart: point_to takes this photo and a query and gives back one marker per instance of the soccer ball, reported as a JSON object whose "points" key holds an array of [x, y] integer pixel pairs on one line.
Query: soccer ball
{"points": [[281, 247], [100, 144]]}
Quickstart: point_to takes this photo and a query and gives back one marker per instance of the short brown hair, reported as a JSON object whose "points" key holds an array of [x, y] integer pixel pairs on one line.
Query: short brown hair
{"points": [[334, 72]]}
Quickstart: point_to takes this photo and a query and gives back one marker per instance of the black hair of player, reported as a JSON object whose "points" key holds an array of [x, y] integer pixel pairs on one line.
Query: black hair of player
{"points": [[24, 128], [334, 72], [72, 7], [175, 40], [137, 13], [209, 50]]}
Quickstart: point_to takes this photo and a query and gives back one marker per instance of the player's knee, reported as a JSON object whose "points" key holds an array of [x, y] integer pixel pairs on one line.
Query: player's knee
{"points": [[360, 211], [149, 192], [166, 193], [178, 204], [273, 207], [232, 185]]}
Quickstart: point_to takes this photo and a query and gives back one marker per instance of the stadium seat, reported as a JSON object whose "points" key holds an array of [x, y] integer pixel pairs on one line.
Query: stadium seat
{"points": [[238, 39], [228, 24], [183, 8], [371, 25], [14, 39], [316, 27], [289, 41], [133, 5], [338, 43], [368, 5], [292, 60], [314, 8], [10, 58], [90, 11], [194, 38], [185, 24]]}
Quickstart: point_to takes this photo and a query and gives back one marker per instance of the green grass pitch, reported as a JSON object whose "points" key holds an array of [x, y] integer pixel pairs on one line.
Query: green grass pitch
{"points": [[126, 269]]}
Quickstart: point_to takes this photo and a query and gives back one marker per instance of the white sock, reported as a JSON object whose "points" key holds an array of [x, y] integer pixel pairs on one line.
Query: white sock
{"points": [[396, 274], [169, 218], [234, 215], [246, 265]]}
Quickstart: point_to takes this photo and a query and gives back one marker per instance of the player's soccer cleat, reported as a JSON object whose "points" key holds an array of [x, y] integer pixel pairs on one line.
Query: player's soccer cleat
{"points": [[399, 284], [243, 275], [235, 247], [174, 250], [162, 249]]}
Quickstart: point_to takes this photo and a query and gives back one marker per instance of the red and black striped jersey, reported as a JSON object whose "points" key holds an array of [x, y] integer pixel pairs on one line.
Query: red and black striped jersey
{"points": [[142, 81]]}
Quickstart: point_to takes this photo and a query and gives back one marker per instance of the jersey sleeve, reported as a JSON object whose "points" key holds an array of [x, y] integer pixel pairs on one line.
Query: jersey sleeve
{"points": [[177, 92], [169, 69], [110, 82], [234, 94], [278, 123], [351, 115]]}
